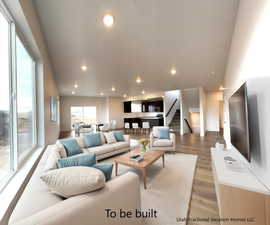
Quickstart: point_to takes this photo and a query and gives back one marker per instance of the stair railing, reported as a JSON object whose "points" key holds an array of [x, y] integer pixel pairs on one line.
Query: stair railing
{"points": [[171, 112]]}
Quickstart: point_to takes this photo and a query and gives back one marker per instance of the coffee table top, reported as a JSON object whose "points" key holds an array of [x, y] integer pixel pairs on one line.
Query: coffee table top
{"points": [[148, 158]]}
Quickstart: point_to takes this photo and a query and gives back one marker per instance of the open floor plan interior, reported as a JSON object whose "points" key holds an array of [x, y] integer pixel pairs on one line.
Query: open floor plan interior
{"points": [[134, 112]]}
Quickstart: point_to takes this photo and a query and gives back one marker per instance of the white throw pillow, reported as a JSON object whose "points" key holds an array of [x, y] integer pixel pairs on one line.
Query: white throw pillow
{"points": [[51, 162], [103, 141], [70, 181], [110, 138], [80, 141], [61, 149]]}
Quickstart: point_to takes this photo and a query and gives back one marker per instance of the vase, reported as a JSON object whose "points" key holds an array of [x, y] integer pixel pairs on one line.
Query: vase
{"points": [[143, 148]]}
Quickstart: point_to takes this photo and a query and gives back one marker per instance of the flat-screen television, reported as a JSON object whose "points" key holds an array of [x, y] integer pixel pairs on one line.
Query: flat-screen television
{"points": [[239, 128]]}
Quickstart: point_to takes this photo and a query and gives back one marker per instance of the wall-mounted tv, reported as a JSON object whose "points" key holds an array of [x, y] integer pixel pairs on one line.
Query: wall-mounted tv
{"points": [[239, 127]]}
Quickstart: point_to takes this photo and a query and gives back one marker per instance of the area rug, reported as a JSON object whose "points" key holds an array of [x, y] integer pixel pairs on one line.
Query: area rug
{"points": [[168, 189]]}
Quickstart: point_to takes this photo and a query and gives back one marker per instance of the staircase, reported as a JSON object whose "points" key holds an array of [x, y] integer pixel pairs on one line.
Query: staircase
{"points": [[175, 123]]}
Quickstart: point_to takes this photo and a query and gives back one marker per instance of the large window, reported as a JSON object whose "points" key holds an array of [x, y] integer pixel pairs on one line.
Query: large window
{"points": [[83, 114], [4, 98], [17, 99], [25, 100]]}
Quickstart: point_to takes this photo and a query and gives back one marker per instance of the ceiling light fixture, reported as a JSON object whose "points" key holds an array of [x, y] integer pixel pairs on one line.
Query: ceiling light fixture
{"points": [[108, 20], [101, 93], [73, 92], [76, 85], [143, 92], [138, 80], [124, 95], [113, 88], [222, 88], [173, 71], [84, 68]]}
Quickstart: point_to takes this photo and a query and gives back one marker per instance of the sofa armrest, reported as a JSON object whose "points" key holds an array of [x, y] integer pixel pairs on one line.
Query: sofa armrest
{"points": [[90, 208], [172, 137], [127, 138], [151, 139]]}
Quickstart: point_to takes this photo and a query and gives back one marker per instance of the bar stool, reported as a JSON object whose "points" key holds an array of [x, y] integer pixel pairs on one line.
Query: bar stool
{"points": [[127, 128], [135, 128], [146, 127]]}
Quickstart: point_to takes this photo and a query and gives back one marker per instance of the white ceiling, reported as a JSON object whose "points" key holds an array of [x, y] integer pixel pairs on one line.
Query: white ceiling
{"points": [[148, 38]]}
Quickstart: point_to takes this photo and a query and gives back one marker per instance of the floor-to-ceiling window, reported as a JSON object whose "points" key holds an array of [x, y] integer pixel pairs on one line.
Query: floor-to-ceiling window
{"points": [[5, 124], [17, 99], [25, 69]]}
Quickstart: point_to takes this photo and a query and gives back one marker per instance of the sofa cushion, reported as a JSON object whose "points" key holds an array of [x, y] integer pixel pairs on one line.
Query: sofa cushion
{"points": [[81, 142], [164, 133], [119, 135], [101, 149], [92, 140], [109, 136], [68, 182], [106, 168], [78, 160], [162, 142], [156, 130], [35, 198], [72, 147], [103, 140], [61, 149], [120, 145], [51, 162]]}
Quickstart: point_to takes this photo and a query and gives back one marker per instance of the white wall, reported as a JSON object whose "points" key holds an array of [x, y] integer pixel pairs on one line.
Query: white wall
{"points": [[67, 101], [213, 99], [110, 108], [202, 111], [115, 110], [249, 61]]}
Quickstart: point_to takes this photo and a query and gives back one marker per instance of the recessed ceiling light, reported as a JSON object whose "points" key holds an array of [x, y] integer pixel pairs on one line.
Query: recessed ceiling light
{"points": [[222, 88], [113, 88], [108, 20], [143, 92], [124, 95], [76, 85], [212, 73], [84, 68], [138, 80], [101, 93], [173, 71], [73, 92]]}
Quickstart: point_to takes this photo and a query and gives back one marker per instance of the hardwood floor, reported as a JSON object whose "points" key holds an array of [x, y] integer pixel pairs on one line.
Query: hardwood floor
{"points": [[203, 202], [203, 199]]}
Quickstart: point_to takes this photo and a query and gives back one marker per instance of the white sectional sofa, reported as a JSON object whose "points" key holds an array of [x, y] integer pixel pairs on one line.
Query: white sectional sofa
{"points": [[105, 150], [38, 206]]}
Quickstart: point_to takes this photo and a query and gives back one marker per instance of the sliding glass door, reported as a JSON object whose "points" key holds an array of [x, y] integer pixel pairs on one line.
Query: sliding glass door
{"points": [[17, 99], [5, 125], [25, 68]]}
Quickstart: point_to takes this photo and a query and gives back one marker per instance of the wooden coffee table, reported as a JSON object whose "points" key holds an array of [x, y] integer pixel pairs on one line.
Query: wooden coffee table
{"points": [[149, 158]]}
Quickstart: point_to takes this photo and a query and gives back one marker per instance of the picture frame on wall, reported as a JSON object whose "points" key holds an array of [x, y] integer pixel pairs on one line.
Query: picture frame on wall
{"points": [[53, 108]]}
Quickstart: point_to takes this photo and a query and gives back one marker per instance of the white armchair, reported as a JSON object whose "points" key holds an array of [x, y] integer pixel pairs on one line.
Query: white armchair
{"points": [[161, 144]]}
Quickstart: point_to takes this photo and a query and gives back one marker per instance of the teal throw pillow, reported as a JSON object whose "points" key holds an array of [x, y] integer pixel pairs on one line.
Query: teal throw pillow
{"points": [[78, 160], [119, 135], [164, 133], [92, 140], [71, 146], [106, 168]]}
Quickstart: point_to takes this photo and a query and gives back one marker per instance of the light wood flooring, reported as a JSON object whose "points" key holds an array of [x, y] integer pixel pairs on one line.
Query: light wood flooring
{"points": [[203, 202]]}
